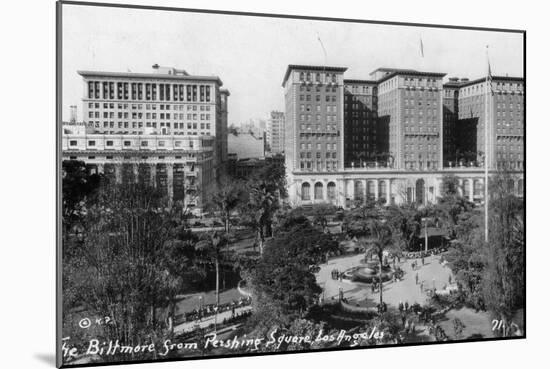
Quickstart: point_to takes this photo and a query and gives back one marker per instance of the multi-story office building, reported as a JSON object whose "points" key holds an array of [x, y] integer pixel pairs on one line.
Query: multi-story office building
{"points": [[167, 126], [400, 151], [314, 111], [409, 104], [455, 149], [276, 132], [364, 143], [506, 115]]}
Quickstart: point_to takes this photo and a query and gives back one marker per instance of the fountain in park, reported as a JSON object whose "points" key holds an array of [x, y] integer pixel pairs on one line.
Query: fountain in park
{"points": [[368, 273]]}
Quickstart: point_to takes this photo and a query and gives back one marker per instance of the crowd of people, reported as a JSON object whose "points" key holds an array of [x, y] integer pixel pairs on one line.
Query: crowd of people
{"points": [[210, 309], [424, 253]]}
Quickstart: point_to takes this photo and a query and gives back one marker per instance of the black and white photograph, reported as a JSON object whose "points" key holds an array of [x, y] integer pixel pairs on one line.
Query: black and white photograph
{"points": [[238, 184]]}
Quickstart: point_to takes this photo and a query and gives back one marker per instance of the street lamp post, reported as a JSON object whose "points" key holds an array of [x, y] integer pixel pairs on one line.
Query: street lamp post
{"points": [[425, 220]]}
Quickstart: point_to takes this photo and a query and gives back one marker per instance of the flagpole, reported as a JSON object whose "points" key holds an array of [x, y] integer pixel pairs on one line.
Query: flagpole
{"points": [[486, 160]]}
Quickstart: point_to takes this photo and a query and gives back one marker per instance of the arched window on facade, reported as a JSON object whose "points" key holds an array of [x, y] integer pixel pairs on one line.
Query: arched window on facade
{"points": [[466, 188], [358, 190], [371, 187], [511, 186], [331, 191], [318, 191], [305, 191], [382, 194], [478, 188]]}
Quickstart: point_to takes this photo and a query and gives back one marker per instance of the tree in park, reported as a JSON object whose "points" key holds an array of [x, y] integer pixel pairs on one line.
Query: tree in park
{"points": [[273, 176], [405, 224], [210, 248], [357, 220], [379, 242], [503, 280], [122, 268], [320, 214], [226, 198], [451, 204], [78, 186], [284, 287], [259, 210]]}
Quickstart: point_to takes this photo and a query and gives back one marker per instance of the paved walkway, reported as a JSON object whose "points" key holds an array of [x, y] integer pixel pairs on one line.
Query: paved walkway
{"points": [[406, 290], [205, 322]]}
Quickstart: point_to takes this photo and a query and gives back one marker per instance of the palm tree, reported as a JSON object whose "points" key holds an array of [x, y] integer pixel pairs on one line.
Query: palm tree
{"points": [[226, 199], [380, 241], [211, 246], [262, 205]]}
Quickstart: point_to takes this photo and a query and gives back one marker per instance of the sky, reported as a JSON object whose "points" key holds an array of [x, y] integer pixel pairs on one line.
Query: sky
{"points": [[250, 54]]}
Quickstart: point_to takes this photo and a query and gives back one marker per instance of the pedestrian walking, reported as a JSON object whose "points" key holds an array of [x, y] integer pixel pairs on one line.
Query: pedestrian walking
{"points": [[406, 306], [416, 278], [422, 260], [422, 287]]}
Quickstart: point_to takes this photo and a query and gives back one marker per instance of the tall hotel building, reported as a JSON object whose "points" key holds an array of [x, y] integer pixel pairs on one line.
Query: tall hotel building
{"points": [[394, 136], [363, 134], [276, 132], [167, 128]]}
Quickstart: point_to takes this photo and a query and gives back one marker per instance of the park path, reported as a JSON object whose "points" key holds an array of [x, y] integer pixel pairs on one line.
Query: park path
{"points": [[432, 273], [205, 322]]}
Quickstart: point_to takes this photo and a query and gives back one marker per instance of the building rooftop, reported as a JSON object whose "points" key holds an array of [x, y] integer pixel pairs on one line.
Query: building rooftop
{"points": [[494, 78], [385, 69], [411, 72], [312, 67], [360, 81], [180, 77]]}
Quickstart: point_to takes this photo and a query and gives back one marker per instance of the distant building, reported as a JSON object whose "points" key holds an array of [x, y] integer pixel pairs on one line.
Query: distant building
{"points": [[506, 111], [167, 127], [246, 146], [276, 132]]}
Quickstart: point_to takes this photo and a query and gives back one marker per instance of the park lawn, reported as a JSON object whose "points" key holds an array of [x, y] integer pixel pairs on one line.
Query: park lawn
{"points": [[478, 324]]}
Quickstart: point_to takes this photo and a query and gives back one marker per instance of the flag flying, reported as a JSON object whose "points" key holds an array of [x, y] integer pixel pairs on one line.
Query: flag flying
{"points": [[421, 47], [322, 46]]}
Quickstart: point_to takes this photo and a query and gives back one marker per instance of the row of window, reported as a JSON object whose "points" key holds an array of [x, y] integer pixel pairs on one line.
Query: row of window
{"points": [[180, 125], [318, 191], [480, 87], [328, 89], [308, 146], [328, 98], [319, 165], [362, 89], [421, 165], [307, 108], [126, 106], [319, 77], [128, 143], [318, 155], [319, 135], [148, 91], [134, 115], [318, 127], [307, 118]]}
